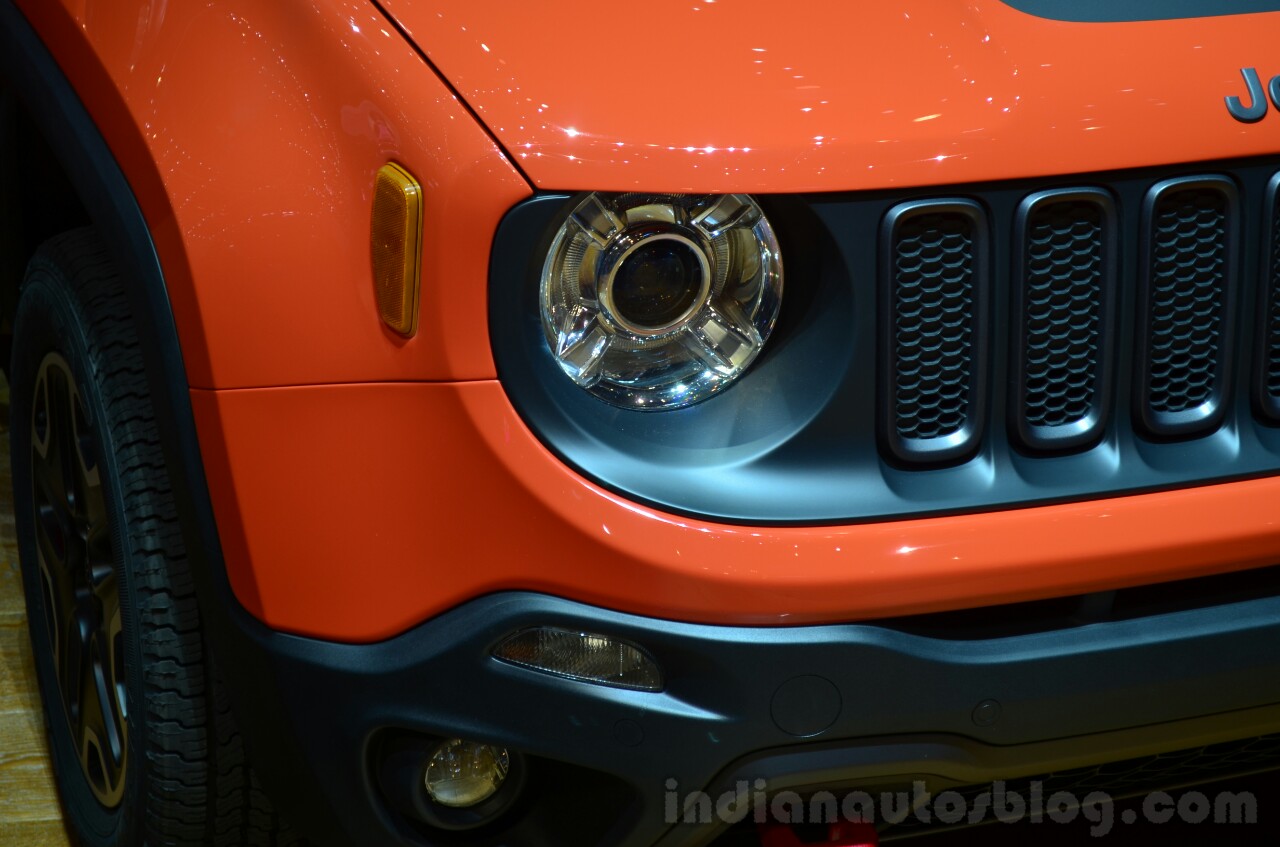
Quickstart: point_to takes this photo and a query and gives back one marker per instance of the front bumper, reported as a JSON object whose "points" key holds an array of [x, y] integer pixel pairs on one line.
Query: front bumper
{"points": [[354, 512], [816, 706]]}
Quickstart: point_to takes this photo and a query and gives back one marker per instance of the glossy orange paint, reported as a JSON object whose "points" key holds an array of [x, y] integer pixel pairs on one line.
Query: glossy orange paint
{"points": [[250, 133], [366, 498], [710, 95], [352, 512]]}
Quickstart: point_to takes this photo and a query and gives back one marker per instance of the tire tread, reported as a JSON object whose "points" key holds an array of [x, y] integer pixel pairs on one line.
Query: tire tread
{"points": [[198, 784]]}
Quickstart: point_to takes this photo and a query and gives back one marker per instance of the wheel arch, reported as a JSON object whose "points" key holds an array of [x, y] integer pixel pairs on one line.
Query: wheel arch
{"points": [[36, 203], [64, 174]]}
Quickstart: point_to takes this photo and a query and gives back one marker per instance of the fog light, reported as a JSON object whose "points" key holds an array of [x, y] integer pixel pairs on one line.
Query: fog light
{"points": [[582, 655], [465, 773]]}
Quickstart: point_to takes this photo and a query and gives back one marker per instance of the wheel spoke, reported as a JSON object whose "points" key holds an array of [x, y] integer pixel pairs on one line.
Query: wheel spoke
{"points": [[49, 516], [50, 503], [64, 433], [118, 679], [71, 668], [101, 742], [106, 714], [40, 416], [60, 600], [91, 717], [93, 760], [85, 443], [90, 518], [100, 727], [73, 547], [52, 473]]}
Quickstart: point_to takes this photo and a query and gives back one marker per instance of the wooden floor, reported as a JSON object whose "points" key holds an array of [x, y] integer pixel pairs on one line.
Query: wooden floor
{"points": [[29, 813]]}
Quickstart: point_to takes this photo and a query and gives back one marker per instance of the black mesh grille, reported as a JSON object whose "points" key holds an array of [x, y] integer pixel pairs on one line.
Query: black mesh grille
{"points": [[1063, 295], [1187, 289], [934, 302], [1271, 354]]}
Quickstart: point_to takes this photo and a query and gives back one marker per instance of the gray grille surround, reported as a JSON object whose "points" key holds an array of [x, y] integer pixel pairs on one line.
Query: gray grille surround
{"points": [[821, 431]]}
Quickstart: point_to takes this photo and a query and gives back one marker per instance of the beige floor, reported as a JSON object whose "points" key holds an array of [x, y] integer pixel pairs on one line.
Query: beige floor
{"points": [[29, 813]]}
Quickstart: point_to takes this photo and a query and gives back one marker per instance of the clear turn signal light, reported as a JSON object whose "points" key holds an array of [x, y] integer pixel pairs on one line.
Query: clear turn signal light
{"points": [[584, 656]]}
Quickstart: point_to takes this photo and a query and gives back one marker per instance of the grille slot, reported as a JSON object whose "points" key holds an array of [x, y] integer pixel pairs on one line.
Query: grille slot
{"points": [[1189, 228], [1065, 279], [1268, 378], [934, 298]]}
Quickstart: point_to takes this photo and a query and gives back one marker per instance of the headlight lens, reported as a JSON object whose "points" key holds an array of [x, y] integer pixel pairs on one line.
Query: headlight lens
{"points": [[656, 301]]}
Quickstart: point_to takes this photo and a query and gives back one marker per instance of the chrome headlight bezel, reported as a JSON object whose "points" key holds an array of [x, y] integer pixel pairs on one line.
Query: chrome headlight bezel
{"points": [[733, 296]]}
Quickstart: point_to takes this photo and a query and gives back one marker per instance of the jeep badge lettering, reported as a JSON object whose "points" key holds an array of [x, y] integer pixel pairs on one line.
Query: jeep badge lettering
{"points": [[1257, 108]]}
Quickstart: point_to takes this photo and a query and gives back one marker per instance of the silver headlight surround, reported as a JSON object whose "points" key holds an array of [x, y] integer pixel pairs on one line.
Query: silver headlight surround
{"points": [[657, 352]]}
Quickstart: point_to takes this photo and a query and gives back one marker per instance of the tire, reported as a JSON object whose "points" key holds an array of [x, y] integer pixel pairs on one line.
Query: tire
{"points": [[143, 747]]}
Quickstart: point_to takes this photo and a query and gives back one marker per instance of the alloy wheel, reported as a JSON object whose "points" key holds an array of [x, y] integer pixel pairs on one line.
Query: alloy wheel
{"points": [[80, 582]]}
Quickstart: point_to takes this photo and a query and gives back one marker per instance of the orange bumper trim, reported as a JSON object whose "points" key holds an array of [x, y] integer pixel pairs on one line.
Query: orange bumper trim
{"points": [[353, 512]]}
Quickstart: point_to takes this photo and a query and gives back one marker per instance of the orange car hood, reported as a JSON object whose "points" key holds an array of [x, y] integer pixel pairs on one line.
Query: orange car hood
{"points": [[757, 95]]}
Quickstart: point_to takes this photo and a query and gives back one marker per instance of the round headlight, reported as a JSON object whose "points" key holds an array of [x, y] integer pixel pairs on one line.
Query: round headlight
{"points": [[656, 301]]}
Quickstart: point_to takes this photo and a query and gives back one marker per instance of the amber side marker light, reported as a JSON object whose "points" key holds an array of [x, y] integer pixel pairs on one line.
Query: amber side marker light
{"points": [[396, 242]]}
